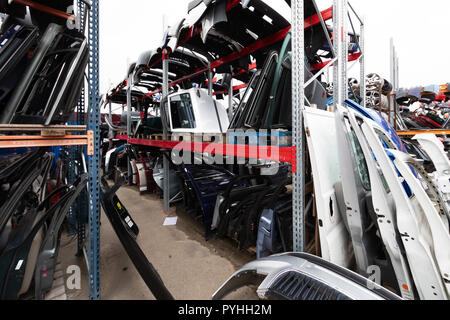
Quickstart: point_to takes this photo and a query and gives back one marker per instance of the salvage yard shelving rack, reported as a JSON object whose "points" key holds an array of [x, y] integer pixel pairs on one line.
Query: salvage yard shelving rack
{"points": [[339, 13], [32, 136]]}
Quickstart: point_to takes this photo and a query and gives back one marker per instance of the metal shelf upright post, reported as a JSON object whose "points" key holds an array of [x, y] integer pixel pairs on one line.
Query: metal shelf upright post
{"points": [[340, 84], [165, 93], [298, 105], [340, 37], [393, 107], [129, 110], [362, 47], [93, 123]]}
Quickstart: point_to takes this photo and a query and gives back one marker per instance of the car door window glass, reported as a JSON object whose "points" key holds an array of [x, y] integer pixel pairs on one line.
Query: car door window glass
{"points": [[181, 112]]}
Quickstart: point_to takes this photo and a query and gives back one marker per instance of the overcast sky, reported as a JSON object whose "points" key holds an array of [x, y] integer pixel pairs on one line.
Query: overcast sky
{"points": [[420, 31]]}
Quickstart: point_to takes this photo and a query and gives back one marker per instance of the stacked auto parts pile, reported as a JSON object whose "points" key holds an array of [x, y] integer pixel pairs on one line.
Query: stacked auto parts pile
{"points": [[377, 89], [424, 107], [41, 66], [362, 210], [380, 213], [33, 210], [388, 201]]}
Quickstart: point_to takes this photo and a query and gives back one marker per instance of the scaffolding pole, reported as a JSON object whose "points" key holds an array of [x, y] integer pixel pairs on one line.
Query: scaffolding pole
{"points": [[298, 105]]}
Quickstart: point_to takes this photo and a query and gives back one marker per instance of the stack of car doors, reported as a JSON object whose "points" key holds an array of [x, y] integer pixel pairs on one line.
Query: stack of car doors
{"points": [[41, 69], [396, 215], [267, 102], [239, 208], [201, 186], [379, 211], [30, 223]]}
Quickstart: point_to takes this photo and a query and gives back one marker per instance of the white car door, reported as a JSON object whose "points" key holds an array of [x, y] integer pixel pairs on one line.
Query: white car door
{"points": [[412, 225], [355, 194], [384, 206], [322, 144], [435, 150]]}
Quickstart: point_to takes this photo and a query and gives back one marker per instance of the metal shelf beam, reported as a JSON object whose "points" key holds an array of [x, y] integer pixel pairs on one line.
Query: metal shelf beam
{"points": [[281, 154]]}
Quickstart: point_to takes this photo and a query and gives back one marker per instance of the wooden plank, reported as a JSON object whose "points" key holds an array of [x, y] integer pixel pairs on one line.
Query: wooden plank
{"points": [[38, 141], [39, 128], [53, 133]]}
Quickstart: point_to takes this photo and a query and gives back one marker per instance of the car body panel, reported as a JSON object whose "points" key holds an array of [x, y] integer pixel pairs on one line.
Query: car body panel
{"points": [[323, 150], [435, 150], [414, 235], [355, 195], [265, 272], [384, 206]]}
